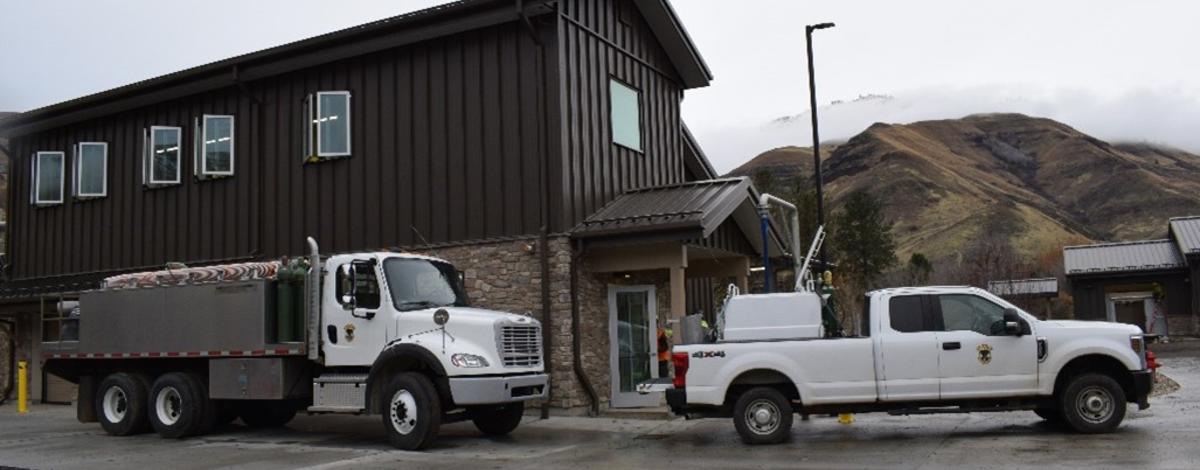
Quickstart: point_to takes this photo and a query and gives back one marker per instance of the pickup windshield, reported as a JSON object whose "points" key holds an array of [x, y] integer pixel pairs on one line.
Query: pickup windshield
{"points": [[418, 284]]}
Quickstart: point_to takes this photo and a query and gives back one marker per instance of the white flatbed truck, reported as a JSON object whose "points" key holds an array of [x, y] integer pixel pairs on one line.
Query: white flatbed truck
{"points": [[383, 333]]}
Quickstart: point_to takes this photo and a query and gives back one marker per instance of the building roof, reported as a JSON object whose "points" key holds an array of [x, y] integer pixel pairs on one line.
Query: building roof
{"points": [[1043, 287], [441, 20], [693, 209], [1148, 255], [1186, 232]]}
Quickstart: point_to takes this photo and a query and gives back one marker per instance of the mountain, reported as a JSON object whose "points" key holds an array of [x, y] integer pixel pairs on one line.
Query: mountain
{"points": [[1033, 181]]}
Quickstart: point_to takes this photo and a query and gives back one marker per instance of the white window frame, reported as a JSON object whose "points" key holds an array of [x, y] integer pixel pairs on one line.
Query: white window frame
{"points": [[148, 158], [201, 159], [77, 174], [612, 127], [312, 135], [37, 177]]}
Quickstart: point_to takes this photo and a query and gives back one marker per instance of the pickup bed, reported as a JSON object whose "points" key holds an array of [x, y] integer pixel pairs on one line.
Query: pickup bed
{"points": [[919, 350]]}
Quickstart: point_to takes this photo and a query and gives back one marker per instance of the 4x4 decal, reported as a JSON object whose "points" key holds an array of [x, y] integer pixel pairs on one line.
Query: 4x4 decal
{"points": [[706, 354]]}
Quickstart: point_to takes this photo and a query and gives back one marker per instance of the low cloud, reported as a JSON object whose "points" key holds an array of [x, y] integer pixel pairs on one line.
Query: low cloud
{"points": [[1161, 116]]}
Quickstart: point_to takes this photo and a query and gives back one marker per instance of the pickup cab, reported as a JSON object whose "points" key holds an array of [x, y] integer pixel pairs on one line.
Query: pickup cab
{"points": [[917, 351]]}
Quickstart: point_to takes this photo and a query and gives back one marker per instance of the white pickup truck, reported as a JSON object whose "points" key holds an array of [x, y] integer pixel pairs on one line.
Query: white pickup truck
{"points": [[920, 350]]}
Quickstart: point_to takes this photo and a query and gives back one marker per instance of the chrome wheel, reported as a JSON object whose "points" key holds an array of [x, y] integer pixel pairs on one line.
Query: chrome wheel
{"points": [[1095, 404], [167, 405], [404, 411], [762, 417], [115, 404]]}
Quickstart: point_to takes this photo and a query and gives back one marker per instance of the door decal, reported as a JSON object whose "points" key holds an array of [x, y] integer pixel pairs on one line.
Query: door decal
{"points": [[985, 353]]}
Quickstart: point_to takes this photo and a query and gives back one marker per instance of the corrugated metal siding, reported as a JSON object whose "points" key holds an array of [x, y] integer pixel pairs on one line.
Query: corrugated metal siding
{"points": [[445, 140], [602, 39], [1186, 231], [1116, 257]]}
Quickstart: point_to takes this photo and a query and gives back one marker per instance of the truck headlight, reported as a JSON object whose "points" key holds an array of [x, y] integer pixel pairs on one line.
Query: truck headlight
{"points": [[469, 361]]}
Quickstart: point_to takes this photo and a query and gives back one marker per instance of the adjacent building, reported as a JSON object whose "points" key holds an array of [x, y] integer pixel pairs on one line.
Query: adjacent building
{"points": [[538, 145], [1154, 284]]}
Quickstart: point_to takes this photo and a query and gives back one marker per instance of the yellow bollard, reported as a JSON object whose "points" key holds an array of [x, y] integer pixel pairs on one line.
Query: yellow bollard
{"points": [[22, 387]]}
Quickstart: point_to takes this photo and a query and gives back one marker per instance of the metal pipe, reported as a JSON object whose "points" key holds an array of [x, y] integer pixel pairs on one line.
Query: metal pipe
{"points": [[576, 345], [765, 201], [765, 226], [312, 286]]}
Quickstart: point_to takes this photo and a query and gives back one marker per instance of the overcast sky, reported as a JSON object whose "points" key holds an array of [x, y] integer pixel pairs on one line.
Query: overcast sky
{"points": [[1118, 69]]}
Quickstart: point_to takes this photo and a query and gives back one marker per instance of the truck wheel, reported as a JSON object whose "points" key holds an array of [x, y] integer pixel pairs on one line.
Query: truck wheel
{"points": [[762, 415], [498, 421], [121, 404], [412, 411], [1093, 403], [179, 406], [269, 414]]}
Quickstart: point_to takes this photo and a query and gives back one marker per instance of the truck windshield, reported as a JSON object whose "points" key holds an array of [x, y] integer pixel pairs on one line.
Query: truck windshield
{"points": [[418, 284]]}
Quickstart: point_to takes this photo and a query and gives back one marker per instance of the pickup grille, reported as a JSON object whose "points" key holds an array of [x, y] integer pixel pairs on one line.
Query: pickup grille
{"points": [[521, 346]]}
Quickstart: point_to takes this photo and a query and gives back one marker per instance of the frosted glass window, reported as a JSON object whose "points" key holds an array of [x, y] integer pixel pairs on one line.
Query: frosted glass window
{"points": [[91, 169], [48, 178], [626, 115]]}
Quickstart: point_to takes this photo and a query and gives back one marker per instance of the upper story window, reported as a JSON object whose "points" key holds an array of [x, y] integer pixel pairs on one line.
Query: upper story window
{"points": [[161, 161], [91, 170], [327, 125], [48, 178], [214, 146], [625, 110]]}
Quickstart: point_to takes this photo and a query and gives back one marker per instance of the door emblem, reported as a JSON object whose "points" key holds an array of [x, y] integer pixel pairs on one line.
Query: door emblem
{"points": [[985, 353], [349, 332]]}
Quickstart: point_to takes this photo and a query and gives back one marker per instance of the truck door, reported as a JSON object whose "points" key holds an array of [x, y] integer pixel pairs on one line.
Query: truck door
{"points": [[977, 359], [908, 350], [351, 333]]}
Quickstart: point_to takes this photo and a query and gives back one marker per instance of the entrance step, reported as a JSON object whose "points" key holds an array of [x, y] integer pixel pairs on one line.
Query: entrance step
{"points": [[660, 413]]}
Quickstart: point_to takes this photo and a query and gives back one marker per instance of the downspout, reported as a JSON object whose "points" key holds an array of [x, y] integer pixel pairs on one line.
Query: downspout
{"points": [[544, 231], [765, 224], [576, 344]]}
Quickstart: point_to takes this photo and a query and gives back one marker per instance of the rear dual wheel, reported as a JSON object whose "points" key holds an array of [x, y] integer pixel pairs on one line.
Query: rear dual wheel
{"points": [[180, 407], [121, 403]]}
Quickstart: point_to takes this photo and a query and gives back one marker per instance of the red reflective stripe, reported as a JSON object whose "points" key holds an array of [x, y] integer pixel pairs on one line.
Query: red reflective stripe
{"points": [[215, 353], [172, 354], [281, 351], [258, 352]]}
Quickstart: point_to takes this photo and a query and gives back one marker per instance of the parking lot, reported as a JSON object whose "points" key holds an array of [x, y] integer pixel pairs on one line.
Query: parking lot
{"points": [[1164, 436]]}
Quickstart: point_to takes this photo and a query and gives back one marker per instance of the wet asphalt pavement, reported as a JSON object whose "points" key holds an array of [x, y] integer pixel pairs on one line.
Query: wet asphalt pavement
{"points": [[1165, 436]]}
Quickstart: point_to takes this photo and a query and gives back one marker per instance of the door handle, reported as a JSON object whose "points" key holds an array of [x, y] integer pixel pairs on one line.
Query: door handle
{"points": [[951, 345]]}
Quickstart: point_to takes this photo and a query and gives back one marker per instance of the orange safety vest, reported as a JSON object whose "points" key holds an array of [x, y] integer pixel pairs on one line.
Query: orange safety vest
{"points": [[664, 346]]}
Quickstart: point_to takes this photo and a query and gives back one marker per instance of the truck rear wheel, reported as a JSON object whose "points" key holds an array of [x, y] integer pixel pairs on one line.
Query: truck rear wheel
{"points": [[412, 411], [1093, 403], [762, 415], [179, 406], [121, 404], [500, 420], [270, 414]]}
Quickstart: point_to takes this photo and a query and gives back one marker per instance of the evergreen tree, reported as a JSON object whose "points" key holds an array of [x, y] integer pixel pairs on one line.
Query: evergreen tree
{"points": [[861, 240]]}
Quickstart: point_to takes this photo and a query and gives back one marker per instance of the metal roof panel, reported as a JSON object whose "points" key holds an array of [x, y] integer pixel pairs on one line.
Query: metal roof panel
{"points": [[1186, 231], [1146, 255]]}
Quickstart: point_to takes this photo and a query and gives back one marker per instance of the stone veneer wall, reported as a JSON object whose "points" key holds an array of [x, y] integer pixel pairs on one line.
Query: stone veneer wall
{"points": [[506, 276]]}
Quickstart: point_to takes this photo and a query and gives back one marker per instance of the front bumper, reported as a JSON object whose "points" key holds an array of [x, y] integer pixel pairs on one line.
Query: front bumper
{"points": [[1143, 383], [498, 389]]}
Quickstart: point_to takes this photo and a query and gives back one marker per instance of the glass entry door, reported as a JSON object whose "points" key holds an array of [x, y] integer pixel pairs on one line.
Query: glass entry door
{"points": [[633, 351]]}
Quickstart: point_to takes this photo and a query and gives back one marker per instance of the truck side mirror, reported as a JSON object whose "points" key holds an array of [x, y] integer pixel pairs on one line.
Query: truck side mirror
{"points": [[1013, 325]]}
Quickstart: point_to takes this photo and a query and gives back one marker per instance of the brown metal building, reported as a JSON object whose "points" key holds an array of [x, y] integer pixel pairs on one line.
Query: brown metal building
{"points": [[487, 132]]}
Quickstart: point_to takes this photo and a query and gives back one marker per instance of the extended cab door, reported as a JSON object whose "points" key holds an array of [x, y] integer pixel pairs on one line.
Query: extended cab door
{"points": [[977, 358], [908, 350]]}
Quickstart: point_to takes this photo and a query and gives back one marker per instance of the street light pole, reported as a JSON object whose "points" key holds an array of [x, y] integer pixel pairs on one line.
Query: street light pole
{"points": [[816, 146]]}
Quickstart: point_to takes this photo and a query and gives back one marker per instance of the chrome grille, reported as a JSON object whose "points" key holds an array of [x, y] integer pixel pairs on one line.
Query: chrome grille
{"points": [[520, 346]]}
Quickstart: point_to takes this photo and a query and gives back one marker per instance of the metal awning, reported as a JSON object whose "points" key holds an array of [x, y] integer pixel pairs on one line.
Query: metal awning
{"points": [[683, 211], [1186, 232], [1149, 255]]}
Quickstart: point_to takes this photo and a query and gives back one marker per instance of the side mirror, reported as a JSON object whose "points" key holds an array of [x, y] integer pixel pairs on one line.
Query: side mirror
{"points": [[1013, 325]]}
